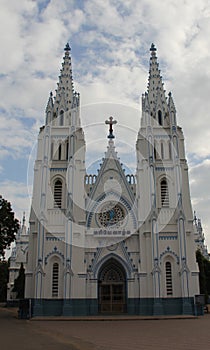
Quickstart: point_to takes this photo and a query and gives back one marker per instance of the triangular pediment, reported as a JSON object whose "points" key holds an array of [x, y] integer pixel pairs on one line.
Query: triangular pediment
{"points": [[111, 178], [112, 189]]}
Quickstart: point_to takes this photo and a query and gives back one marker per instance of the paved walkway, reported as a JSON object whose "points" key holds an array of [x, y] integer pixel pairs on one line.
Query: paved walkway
{"points": [[170, 334]]}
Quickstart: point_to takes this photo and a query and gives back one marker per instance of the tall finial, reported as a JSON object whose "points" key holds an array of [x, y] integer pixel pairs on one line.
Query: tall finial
{"points": [[67, 48], [24, 218], [110, 122], [153, 50]]}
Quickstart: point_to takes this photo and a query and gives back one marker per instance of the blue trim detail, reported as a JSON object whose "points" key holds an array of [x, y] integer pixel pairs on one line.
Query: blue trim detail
{"points": [[54, 252], [169, 251], [167, 236], [164, 168], [122, 200], [58, 169], [96, 268], [128, 258], [55, 239], [135, 306]]}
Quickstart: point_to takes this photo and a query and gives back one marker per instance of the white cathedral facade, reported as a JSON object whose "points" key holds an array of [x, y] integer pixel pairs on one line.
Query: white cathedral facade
{"points": [[111, 242]]}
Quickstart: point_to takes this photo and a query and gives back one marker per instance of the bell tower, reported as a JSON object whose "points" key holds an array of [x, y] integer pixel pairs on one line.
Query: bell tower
{"points": [[165, 212], [58, 209]]}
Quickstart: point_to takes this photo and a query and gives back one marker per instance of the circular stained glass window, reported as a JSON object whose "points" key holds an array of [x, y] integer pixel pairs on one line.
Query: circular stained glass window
{"points": [[111, 214]]}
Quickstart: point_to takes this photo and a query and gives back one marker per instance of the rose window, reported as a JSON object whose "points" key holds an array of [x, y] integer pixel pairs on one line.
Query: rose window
{"points": [[111, 215]]}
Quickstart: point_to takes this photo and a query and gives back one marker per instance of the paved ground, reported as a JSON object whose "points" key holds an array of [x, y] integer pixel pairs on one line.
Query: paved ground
{"points": [[177, 334]]}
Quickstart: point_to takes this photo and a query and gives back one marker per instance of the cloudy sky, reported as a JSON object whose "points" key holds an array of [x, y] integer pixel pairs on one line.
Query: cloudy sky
{"points": [[110, 41]]}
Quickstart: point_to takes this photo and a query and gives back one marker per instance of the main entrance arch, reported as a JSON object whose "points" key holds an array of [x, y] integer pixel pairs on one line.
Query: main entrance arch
{"points": [[112, 287]]}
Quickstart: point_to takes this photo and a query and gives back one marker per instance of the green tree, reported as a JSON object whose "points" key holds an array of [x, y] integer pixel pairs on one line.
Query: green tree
{"points": [[19, 283], [204, 274], [4, 275], [8, 225]]}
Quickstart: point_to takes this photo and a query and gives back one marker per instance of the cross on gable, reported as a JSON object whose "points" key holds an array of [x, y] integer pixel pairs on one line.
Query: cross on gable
{"points": [[111, 122]]}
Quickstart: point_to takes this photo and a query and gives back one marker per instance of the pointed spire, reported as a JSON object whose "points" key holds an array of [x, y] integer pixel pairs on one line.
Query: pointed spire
{"points": [[155, 84], [67, 48], [65, 90], [24, 219], [154, 102], [171, 104], [49, 103], [49, 109]]}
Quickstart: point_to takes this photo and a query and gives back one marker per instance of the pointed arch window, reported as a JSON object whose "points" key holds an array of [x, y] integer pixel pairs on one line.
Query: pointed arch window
{"points": [[155, 150], [58, 194], [59, 152], [164, 193], [67, 150], [52, 150], [169, 150], [169, 285], [48, 117], [160, 121], [55, 280], [162, 150], [173, 118], [61, 118]]}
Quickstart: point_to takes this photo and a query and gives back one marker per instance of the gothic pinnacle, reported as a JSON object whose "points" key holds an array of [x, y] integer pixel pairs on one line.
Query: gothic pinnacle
{"points": [[153, 49], [67, 48]]}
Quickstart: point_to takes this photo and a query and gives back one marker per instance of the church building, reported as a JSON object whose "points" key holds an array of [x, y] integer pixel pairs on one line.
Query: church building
{"points": [[111, 242]]}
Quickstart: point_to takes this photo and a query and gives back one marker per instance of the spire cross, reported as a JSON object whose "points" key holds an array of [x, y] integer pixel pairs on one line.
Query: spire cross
{"points": [[153, 50], [111, 122]]}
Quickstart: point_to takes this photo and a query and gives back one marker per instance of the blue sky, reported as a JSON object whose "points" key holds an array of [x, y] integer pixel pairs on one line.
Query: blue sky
{"points": [[110, 41]]}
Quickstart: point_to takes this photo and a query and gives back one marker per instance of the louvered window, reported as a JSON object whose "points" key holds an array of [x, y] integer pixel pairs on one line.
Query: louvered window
{"points": [[59, 152], [162, 150], [61, 118], [55, 280], [164, 194], [67, 150], [169, 287], [160, 117], [58, 194], [169, 150]]}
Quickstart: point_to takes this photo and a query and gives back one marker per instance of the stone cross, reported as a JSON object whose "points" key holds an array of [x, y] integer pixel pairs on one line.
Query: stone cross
{"points": [[110, 122]]}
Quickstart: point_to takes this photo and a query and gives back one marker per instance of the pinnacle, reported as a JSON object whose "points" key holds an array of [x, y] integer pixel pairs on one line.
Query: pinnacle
{"points": [[67, 48], [153, 48], [155, 88]]}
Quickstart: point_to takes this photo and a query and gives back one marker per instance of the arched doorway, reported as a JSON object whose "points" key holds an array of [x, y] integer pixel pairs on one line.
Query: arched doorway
{"points": [[112, 288]]}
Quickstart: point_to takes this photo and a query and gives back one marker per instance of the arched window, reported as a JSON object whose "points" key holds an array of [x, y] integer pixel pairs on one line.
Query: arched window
{"points": [[52, 150], [58, 194], [160, 117], [48, 117], [155, 150], [169, 286], [162, 150], [67, 150], [86, 179], [173, 118], [55, 280], [175, 145], [169, 150], [59, 152], [61, 118], [164, 193]]}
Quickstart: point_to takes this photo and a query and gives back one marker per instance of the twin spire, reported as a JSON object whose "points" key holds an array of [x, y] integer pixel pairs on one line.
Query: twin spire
{"points": [[156, 92], [65, 91], [66, 98], [154, 100]]}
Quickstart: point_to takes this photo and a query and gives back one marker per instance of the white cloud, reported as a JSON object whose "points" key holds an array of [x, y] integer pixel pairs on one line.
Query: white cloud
{"points": [[17, 194], [200, 192]]}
